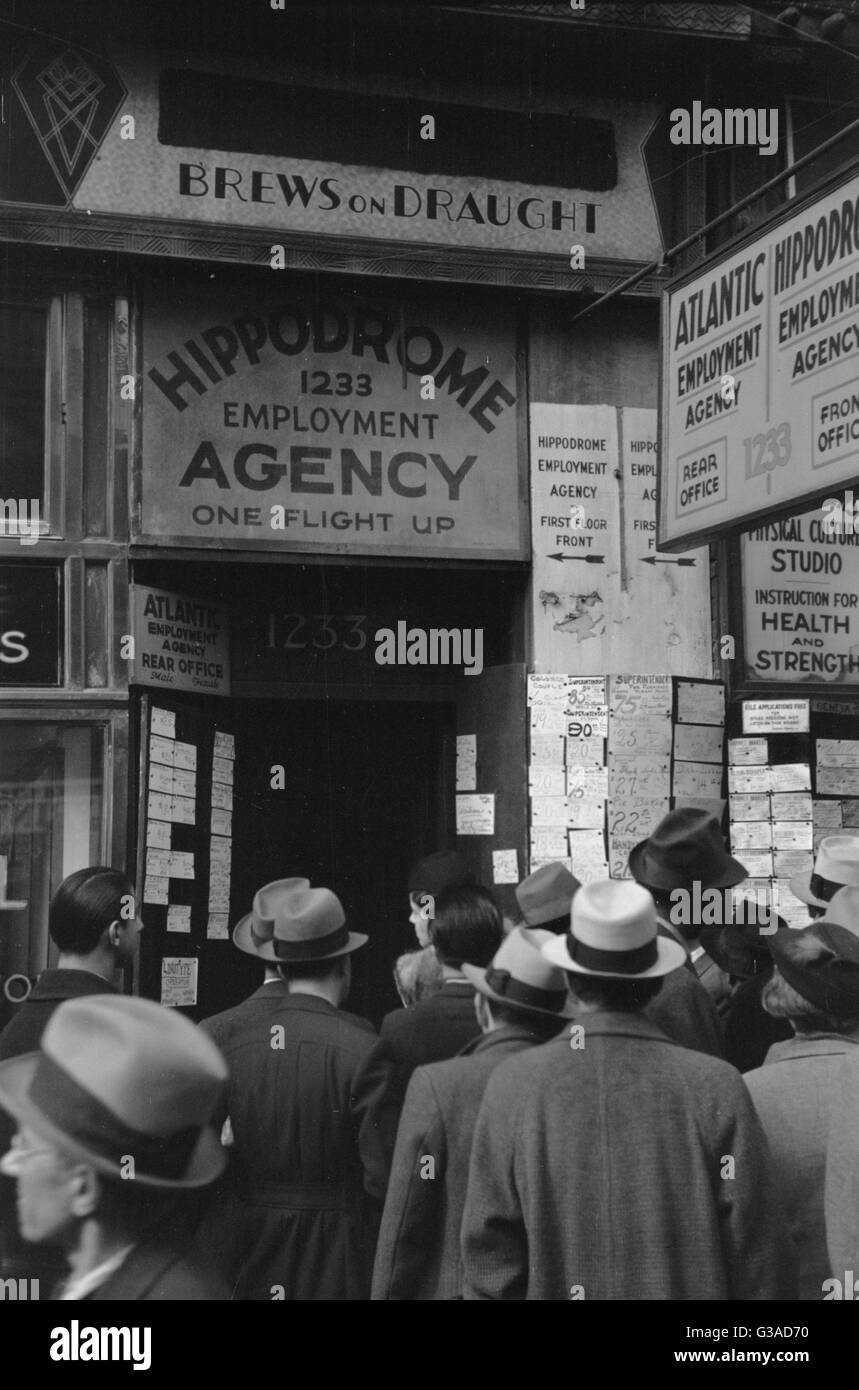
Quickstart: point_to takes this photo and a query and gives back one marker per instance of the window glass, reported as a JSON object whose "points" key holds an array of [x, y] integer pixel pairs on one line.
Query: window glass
{"points": [[51, 818], [23, 349]]}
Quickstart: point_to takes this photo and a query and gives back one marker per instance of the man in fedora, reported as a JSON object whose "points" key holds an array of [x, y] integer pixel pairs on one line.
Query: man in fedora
{"points": [[683, 859], [815, 986], [613, 1163], [114, 1139], [836, 865], [546, 896], [312, 1109], [740, 949], [521, 1001]]}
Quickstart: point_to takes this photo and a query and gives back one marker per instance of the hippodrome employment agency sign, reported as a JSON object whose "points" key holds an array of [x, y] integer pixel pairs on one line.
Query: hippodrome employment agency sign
{"points": [[347, 423], [760, 403]]}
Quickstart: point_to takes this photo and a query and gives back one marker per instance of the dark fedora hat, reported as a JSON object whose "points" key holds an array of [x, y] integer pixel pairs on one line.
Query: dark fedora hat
{"points": [[686, 847], [828, 979]]}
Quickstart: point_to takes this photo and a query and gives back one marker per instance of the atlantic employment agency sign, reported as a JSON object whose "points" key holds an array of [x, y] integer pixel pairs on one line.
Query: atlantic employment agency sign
{"points": [[339, 424], [760, 402]]}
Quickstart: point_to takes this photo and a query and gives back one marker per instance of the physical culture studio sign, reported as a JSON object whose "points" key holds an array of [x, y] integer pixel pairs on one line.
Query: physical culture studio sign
{"points": [[760, 405]]}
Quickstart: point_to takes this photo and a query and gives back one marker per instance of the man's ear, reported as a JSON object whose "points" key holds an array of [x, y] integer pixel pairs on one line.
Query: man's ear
{"points": [[86, 1190], [114, 932]]}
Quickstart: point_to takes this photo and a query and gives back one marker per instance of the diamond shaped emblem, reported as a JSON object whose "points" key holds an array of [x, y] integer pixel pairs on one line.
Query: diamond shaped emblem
{"points": [[71, 100]]}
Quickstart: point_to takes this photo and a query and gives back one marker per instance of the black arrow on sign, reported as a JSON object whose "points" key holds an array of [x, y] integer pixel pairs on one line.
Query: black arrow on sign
{"points": [[658, 560], [588, 559]]}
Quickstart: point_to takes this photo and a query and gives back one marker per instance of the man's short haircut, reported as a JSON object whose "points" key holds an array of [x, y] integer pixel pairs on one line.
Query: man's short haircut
{"points": [[542, 1026], [84, 906], [615, 996], [781, 1000], [466, 926], [312, 969]]}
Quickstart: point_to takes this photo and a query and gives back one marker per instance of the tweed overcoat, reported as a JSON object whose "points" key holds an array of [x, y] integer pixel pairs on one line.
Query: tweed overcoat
{"points": [[597, 1171], [314, 1112], [795, 1093], [418, 1252]]}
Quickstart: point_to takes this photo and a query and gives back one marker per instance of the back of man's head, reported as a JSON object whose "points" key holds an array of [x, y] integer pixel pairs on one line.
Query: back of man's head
{"points": [[84, 906], [466, 926]]}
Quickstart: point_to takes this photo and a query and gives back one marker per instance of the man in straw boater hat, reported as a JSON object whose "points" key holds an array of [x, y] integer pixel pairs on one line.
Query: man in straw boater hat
{"points": [[836, 865], [114, 1138], [613, 1163], [312, 1108], [815, 986], [685, 866], [521, 1001]]}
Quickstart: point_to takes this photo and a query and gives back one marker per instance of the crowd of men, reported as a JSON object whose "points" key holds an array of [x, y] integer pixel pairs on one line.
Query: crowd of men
{"points": [[602, 1100]]}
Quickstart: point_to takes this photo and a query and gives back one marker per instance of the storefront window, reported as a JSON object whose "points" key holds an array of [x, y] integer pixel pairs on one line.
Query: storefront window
{"points": [[51, 822], [23, 366]]}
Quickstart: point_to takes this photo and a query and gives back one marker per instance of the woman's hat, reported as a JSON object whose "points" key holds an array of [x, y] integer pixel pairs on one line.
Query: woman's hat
{"points": [[546, 894], [613, 934], [836, 865], [119, 1078], [436, 872], [292, 924], [257, 928], [521, 978], [686, 847]]}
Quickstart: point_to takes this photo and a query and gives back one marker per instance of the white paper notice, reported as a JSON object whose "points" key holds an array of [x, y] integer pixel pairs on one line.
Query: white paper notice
{"points": [[547, 781], [698, 743], [748, 779], [791, 806], [700, 703], [162, 721], [587, 782], [586, 814], [505, 866], [837, 752], [179, 981], [222, 771], [466, 762], [828, 814], [225, 745], [756, 806], [550, 748], [221, 849], [222, 796], [183, 809], [790, 777], [588, 722], [751, 834], [158, 834], [775, 716], [585, 692], [160, 778], [548, 810], [157, 863], [697, 779], [790, 862], [185, 756], [548, 690], [549, 844], [632, 696], [793, 834], [222, 822], [649, 734], [159, 806], [475, 814], [548, 719], [184, 782], [835, 781], [585, 752], [742, 751], [161, 750], [178, 918], [156, 890], [217, 928], [181, 864]]}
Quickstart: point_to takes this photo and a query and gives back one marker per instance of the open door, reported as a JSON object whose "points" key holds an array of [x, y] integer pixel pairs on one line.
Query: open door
{"points": [[492, 708], [186, 763]]}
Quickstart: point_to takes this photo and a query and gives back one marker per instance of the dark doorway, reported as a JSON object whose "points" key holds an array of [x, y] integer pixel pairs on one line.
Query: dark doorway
{"points": [[364, 796]]}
